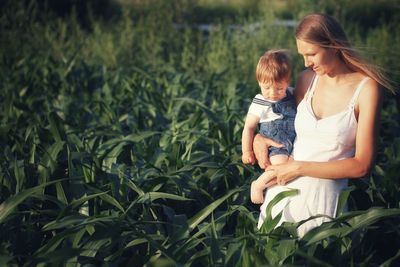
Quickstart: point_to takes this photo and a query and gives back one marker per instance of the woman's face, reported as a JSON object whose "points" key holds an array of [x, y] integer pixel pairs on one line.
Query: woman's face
{"points": [[321, 60]]}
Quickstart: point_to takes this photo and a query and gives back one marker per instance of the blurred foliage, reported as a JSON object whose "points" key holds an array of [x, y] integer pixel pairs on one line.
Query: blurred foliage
{"points": [[120, 140]]}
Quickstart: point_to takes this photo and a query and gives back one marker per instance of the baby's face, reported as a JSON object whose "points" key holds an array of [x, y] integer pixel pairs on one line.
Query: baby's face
{"points": [[274, 91]]}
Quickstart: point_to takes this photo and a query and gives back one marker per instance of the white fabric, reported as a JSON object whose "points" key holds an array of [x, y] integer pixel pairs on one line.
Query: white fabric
{"points": [[321, 140], [265, 113]]}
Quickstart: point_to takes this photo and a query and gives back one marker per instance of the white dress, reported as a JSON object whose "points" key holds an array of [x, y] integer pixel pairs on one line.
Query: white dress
{"points": [[320, 140]]}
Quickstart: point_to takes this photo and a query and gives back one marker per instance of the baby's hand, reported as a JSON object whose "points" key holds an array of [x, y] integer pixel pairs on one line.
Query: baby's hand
{"points": [[248, 157]]}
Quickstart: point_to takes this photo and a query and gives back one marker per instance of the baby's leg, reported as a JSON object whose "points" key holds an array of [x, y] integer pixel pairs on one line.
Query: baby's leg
{"points": [[278, 159], [258, 186]]}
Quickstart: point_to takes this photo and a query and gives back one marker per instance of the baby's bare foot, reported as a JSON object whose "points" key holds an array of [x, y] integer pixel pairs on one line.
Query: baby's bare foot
{"points": [[256, 193]]}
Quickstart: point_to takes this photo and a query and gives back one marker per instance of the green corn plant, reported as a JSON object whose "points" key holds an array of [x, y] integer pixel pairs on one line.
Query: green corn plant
{"points": [[120, 146]]}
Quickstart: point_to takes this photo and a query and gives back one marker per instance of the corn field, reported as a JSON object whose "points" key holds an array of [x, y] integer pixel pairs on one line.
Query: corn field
{"points": [[120, 146]]}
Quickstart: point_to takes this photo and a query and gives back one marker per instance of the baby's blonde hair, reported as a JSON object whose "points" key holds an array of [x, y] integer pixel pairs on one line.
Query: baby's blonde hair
{"points": [[274, 66]]}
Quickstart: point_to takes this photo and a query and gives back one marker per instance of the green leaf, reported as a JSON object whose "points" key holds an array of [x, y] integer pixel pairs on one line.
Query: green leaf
{"points": [[8, 206], [210, 113], [216, 253], [91, 248], [233, 253], [56, 127], [138, 137], [152, 196], [109, 199], [77, 237], [371, 216], [355, 220], [313, 261], [59, 257], [49, 161], [61, 194], [342, 200], [201, 215], [136, 242], [19, 174], [269, 222], [65, 222], [134, 187], [286, 248], [52, 244], [77, 202]]}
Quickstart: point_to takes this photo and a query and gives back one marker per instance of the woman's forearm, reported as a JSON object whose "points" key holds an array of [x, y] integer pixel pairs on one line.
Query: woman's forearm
{"points": [[337, 169]]}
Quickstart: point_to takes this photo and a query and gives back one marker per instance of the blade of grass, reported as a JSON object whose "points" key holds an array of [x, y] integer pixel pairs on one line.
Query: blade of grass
{"points": [[8, 206], [201, 215]]}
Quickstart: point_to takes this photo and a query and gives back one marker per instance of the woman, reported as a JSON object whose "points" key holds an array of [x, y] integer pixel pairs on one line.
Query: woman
{"points": [[339, 102]]}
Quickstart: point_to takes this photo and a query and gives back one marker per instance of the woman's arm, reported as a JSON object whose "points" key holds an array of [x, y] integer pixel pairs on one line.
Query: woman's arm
{"points": [[368, 109]]}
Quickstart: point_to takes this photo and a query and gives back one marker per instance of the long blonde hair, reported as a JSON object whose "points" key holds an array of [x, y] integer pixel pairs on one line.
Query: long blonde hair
{"points": [[325, 31]]}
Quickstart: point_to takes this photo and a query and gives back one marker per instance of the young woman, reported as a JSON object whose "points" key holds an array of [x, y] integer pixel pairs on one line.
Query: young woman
{"points": [[339, 102]]}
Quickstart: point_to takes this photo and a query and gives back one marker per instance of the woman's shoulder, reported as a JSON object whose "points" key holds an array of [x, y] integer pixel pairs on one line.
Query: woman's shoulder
{"points": [[305, 77], [303, 83], [365, 84], [370, 94], [369, 89]]}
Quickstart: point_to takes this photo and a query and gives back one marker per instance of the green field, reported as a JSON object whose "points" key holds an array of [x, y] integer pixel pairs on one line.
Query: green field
{"points": [[120, 136]]}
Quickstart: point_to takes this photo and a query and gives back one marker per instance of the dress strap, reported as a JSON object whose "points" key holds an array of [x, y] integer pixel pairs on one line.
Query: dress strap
{"points": [[311, 88], [357, 92]]}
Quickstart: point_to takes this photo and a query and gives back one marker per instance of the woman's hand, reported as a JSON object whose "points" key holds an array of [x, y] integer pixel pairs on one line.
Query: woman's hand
{"points": [[260, 148], [286, 172]]}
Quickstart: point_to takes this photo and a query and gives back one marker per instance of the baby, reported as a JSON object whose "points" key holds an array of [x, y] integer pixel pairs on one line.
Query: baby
{"points": [[274, 110]]}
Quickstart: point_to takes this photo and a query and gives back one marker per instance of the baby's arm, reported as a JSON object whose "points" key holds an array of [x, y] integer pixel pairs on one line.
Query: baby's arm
{"points": [[250, 126]]}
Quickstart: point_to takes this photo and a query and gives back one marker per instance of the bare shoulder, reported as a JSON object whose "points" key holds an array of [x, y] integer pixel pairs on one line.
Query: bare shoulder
{"points": [[303, 82], [371, 91], [370, 97]]}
